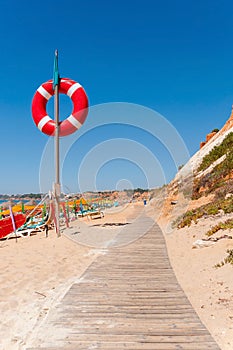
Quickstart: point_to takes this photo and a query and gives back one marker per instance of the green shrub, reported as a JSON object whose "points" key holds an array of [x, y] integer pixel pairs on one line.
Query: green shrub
{"points": [[218, 151], [228, 224], [227, 260], [208, 209], [216, 179]]}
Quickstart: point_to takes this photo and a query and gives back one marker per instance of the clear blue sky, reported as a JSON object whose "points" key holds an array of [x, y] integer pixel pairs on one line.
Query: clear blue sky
{"points": [[174, 57]]}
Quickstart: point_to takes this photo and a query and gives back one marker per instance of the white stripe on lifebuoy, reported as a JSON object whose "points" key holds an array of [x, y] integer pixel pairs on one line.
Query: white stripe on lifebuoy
{"points": [[43, 121], [44, 92], [74, 121], [73, 88]]}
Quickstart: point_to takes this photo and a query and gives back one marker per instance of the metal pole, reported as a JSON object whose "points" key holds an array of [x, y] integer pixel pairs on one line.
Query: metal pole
{"points": [[57, 191]]}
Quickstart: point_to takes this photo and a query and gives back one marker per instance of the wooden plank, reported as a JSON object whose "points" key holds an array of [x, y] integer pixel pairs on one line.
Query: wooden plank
{"points": [[129, 299], [85, 345]]}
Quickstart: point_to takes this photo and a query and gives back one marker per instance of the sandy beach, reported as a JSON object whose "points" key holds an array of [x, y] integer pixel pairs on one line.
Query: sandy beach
{"points": [[34, 272], [37, 271]]}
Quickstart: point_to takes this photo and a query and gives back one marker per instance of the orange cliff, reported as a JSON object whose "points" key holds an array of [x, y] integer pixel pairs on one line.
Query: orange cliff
{"points": [[208, 137], [228, 125], [229, 122]]}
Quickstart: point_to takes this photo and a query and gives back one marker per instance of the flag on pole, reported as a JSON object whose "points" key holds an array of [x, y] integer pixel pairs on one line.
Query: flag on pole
{"points": [[22, 208], [44, 210], [56, 76]]}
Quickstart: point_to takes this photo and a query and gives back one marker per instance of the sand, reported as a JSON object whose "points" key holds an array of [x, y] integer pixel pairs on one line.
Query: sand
{"points": [[209, 289], [37, 271], [34, 272]]}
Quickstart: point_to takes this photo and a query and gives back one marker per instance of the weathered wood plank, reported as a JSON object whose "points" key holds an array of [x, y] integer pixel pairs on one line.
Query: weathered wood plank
{"points": [[85, 345], [129, 299]]}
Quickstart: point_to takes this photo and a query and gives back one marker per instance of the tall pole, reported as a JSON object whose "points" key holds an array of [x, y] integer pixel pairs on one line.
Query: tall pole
{"points": [[57, 190]]}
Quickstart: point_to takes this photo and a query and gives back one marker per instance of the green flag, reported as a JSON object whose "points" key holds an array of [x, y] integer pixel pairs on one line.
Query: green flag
{"points": [[44, 210], [56, 76]]}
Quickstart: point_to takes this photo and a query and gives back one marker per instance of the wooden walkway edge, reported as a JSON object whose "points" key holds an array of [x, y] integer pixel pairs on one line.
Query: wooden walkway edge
{"points": [[128, 299]]}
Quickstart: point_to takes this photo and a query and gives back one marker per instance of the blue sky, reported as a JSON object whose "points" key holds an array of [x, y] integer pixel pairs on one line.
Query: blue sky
{"points": [[174, 57]]}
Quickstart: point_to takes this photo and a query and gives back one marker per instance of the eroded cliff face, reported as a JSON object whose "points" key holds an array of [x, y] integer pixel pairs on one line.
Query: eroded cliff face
{"points": [[208, 138], [229, 123], [227, 126], [192, 185]]}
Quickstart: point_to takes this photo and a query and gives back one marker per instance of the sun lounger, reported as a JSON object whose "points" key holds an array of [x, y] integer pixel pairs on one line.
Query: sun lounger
{"points": [[92, 213], [96, 214], [29, 227]]}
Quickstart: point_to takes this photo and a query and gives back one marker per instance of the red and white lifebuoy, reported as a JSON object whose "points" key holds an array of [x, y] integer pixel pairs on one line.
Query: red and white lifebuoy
{"points": [[80, 107]]}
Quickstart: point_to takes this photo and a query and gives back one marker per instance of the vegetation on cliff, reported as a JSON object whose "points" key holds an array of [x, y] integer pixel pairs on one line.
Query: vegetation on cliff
{"points": [[218, 181], [218, 151], [213, 208], [213, 176], [220, 177]]}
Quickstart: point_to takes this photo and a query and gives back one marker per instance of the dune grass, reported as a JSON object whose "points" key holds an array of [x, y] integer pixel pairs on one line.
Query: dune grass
{"points": [[228, 224], [212, 208], [227, 260]]}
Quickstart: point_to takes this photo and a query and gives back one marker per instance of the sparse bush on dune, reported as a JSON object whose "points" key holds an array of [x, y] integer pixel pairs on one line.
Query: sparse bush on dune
{"points": [[212, 208], [228, 224], [227, 260]]}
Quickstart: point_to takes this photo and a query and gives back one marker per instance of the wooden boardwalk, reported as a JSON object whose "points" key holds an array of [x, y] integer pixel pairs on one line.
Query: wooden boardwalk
{"points": [[128, 299]]}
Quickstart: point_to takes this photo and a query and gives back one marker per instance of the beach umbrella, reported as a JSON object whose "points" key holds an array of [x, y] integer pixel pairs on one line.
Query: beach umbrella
{"points": [[5, 205], [22, 208], [44, 212], [75, 208], [1, 210], [75, 205], [31, 202], [83, 200]]}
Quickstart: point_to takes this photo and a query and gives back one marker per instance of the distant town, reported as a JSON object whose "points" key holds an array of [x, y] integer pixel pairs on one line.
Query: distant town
{"points": [[125, 195]]}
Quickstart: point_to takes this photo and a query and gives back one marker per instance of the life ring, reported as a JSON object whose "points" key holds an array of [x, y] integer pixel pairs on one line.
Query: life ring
{"points": [[80, 107]]}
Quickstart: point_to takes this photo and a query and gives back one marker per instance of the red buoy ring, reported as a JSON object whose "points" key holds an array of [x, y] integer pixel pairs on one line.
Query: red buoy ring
{"points": [[80, 107]]}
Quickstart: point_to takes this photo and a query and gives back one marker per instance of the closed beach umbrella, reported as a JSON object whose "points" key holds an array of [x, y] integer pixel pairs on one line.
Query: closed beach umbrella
{"points": [[75, 205], [22, 208], [5, 205], [75, 208], [44, 210], [31, 202], [1, 210]]}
